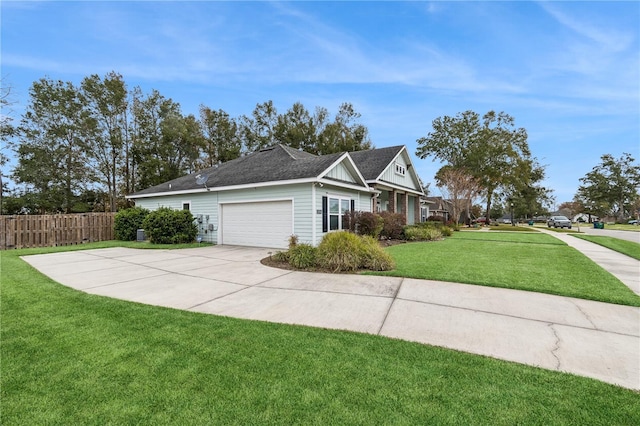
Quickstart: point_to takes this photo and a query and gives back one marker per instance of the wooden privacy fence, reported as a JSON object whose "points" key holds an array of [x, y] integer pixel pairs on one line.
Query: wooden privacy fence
{"points": [[25, 231]]}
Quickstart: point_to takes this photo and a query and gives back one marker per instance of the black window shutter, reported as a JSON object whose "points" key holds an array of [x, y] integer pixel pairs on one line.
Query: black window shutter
{"points": [[325, 214], [353, 205]]}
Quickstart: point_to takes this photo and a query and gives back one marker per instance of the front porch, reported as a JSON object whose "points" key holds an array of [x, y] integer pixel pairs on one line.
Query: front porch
{"points": [[397, 201]]}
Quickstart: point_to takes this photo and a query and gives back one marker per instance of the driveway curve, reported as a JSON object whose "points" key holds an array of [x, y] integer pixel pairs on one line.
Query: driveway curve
{"points": [[587, 338]]}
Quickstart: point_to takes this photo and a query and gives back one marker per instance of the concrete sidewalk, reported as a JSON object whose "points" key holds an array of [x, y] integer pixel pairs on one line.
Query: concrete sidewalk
{"points": [[593, 339]]}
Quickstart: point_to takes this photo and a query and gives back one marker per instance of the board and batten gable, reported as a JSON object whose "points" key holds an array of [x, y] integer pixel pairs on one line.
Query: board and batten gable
{"points": [[341, 173], [400, 172]]}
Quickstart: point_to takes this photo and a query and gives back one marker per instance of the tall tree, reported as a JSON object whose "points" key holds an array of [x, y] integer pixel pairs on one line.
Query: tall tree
{"points": [[344, 133], [165, 143], [54, 136], [296, 128], [107, 105], [258, 131], [7, 130], [490, 147], [222, 140], [612, 185]]}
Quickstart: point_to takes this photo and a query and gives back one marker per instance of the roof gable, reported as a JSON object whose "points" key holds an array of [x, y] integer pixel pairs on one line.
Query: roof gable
{"points": [[378, 166]]}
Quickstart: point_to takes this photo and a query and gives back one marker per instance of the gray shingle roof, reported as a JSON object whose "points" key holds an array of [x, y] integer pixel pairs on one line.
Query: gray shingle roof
{"points": [[372, 163], [276, 163]]}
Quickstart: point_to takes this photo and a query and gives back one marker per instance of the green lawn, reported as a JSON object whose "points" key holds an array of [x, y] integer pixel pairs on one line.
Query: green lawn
{"points": [[629, 248], [73, 358], [524, 261]]}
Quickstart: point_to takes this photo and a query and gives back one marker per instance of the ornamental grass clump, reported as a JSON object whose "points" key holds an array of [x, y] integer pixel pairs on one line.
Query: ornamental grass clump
{"points": [[373, 257], [346, 252], [302, 256]]}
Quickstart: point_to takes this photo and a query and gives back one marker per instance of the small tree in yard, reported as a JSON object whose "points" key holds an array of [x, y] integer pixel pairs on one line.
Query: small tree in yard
{"points": [[459, 188], [168, 226]]}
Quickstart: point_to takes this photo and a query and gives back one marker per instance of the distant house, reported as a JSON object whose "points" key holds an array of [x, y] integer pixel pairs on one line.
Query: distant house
{"points": [[263, 198], [438, 206]]}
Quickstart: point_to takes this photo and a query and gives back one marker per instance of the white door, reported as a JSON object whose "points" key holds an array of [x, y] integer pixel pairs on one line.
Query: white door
{"points": [[257, 224]]}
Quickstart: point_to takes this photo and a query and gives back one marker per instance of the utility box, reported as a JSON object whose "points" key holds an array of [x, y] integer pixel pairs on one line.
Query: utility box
{"points": [[140, 235]]}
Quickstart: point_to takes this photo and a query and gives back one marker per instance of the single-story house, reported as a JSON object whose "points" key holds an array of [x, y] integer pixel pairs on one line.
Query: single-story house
{"points": [[264, 197]]}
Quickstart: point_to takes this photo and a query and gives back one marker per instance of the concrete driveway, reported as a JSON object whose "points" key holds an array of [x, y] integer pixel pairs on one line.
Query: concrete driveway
{"points": [[586, 338]]}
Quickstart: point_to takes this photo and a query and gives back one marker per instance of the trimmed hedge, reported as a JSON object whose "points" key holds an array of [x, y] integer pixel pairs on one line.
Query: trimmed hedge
{"points": [[168, 226], [127, 222]]}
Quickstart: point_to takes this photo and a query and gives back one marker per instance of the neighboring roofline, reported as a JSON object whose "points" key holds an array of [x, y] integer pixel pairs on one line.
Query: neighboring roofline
{"points": [[364, 188]]}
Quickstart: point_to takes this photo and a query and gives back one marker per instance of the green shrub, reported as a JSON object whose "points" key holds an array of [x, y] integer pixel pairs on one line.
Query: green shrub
{"points": [[281, 256], [422, 233], [302, 256], [369, 224], [168, 226], [446, 231], [339, 251], [392, 225], [373, 257], [127, 222], [363, 223], [345, 251]]}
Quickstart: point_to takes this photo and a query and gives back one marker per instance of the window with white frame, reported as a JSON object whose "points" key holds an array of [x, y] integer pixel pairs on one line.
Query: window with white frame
{"points": [[400, 169], [186, 205], [338, 207]]}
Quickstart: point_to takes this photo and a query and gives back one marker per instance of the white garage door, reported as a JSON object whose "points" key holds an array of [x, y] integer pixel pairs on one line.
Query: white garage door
{"points": [[259, 224]]}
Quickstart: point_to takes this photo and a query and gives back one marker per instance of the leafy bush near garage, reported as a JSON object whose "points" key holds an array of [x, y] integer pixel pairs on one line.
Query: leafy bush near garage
{"points": [[127, 222], [345, 251], [393, 224], [168, 226]]}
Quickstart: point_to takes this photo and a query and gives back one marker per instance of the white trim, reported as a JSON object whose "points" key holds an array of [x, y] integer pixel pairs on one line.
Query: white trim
{"points": [[186, 202], [248, 186], [394, 186]]}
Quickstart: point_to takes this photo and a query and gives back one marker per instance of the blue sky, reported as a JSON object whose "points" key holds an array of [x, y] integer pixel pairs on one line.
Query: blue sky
{"points": [[568, 72]]}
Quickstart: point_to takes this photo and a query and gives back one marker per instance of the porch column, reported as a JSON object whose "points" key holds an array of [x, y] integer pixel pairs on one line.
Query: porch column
{"points": [[374, 203], [392, 201], [405, 207], [416, 210]]}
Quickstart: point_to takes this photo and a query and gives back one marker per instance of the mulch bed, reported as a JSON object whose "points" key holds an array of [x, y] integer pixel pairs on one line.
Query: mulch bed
{"points": [[270, 261]]}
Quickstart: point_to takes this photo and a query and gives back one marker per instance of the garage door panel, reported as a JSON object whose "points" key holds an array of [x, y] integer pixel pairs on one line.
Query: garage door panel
{"points": [[257, 224]]}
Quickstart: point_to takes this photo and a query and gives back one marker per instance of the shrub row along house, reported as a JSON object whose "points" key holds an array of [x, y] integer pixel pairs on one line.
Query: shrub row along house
{"points": [[263, 198]]}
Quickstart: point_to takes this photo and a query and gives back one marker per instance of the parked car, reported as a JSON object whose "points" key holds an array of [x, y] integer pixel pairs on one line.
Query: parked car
{"points": [[633, 222], [559, 222]]}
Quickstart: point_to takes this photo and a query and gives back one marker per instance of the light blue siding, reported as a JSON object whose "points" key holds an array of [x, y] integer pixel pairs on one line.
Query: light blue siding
{"points": [[207, 204]]}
